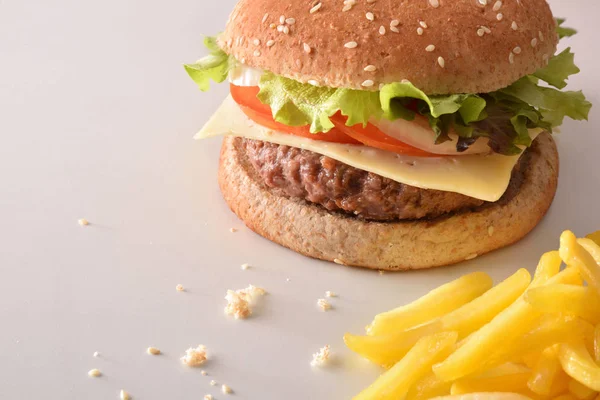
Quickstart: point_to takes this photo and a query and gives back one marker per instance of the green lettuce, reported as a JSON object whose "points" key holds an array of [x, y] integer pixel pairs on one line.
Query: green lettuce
{"points": [[563, 31], [215, 66]]}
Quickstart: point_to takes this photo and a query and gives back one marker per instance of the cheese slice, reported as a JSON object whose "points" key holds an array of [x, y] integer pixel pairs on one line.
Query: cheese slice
{"points": [[484, 177]]}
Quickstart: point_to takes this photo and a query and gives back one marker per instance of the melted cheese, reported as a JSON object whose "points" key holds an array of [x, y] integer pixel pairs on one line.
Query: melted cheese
{"points": [[484, 177]]}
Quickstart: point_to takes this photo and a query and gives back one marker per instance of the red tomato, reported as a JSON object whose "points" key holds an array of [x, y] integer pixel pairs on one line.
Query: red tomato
{"points": [[370, 135]]}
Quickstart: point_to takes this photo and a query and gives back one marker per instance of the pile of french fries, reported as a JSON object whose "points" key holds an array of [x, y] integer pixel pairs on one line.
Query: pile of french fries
{"points": [[522, 339]]}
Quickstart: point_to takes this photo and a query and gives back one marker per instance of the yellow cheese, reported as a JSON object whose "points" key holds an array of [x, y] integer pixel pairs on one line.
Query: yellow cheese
{"points": [[484, 177]]}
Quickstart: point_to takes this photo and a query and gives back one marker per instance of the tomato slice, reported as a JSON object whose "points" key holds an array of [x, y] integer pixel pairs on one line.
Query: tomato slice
{"points": [[246, 98], [371, 136]]}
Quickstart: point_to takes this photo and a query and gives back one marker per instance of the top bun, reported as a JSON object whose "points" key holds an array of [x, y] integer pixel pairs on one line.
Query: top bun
{"points": [[441, 46]]}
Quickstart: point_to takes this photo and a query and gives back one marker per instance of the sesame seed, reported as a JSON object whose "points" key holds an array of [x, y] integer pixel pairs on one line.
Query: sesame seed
{"points": [[517, 50], [434, 3], [533, 42], [497, 5], [471, 257], [256, 42], [370, 16], [511, 58], [382, 30], [279, 28], [264, 19], [307, 48], [368, 83], [153, 351], [290, 21], [270, 43], [545, 57], [282, 20], [394, 22], [499, 16], [351, 45], [256, 53], [229, 42], [514, 26], [394, 29], [286, 30], [371, 1], [347, 7], [480, 32], [441, 62], [273, 26], [313, 82], [423, 24], [483, 2], [316, 8], [486, 29], [419, 31], [338, 261], [370, 68], [94, 373], [541, 35], [491, 231], [430, 48]]}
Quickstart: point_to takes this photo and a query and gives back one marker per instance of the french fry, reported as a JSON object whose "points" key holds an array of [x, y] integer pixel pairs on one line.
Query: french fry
{"points": [[437, 303], [485, 396], [386, 350], [396, 382], [566, 299], [566, 396], [595, 237], [597, 343], [508, 325], [548, 267], [581, 391], [544, 374], [428, 387], [472, 316], [515, 381], [579, 365], [578, 254]]}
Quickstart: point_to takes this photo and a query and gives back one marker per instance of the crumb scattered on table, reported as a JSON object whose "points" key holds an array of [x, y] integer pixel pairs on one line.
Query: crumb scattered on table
{"points": [[245, 266], [194, 357], [204, 373], [321, 357], [179, 288], [233, 230], [213, 383], [83, 222], [94, 373], [226, 389], [153, 351], [324, 305], [124, 395], [330, 294], [208, 397], [96, 354], [239, 302]]}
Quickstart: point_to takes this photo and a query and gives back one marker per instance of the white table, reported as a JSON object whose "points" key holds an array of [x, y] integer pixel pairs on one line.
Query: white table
{"points": [[97, 117]]}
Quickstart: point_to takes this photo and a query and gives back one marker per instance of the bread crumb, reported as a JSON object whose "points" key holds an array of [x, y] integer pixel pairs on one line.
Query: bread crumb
{"points": [[83, 222], [233, 230], [153, 351], [96, 354], [180, 288], [321, 357], [245, 266], [239, 302], [213, 383], [226, 389], [94, 373], [324, 305], [338, 261], [124, 395], [194, 357], [381, 272], [208, 397], [330, 294], [203, 373]]}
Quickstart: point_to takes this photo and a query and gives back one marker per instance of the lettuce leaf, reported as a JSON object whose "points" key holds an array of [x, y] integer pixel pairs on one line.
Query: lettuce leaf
{"points": [[563, 31], [215, 66], [297, 104], [558, 70]]}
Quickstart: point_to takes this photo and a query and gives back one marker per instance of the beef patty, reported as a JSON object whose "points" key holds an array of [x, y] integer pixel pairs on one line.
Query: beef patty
{"points": [[339, 187]]}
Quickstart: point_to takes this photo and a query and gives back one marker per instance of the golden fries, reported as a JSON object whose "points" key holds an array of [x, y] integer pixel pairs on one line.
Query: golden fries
{"points": [[579, 365], [386, 350], [595, 237], [566, 299], [396, 382], [522, 339], [438, 302]]}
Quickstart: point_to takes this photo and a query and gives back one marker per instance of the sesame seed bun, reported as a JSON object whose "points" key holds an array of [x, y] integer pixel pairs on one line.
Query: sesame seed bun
{"points": [[441, 46], [313, 231]]}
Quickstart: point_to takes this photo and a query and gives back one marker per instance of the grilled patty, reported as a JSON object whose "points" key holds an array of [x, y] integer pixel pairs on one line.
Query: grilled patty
{"points": [[339, 187]]}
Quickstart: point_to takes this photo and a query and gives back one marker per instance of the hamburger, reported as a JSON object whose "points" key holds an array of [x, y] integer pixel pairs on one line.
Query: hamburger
{"points": [[390, 134]]}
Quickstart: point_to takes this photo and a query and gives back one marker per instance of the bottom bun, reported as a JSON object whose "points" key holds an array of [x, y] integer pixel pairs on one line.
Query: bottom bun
{"points": [[416, 244]]}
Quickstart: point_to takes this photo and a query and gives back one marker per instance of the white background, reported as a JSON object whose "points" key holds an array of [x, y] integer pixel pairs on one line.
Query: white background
{"points": [[96, 120]]}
